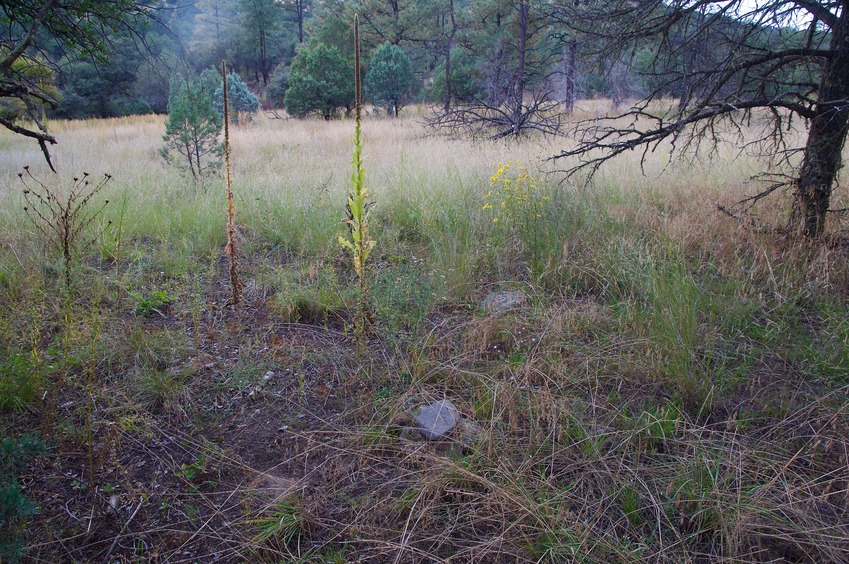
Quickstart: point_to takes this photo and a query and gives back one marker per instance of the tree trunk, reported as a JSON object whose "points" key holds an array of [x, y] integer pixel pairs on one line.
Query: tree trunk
{"points": [[300, 8], [217, 25], [520, 71], [263, 60], [571, 76], [826, 137], [448, 46]]}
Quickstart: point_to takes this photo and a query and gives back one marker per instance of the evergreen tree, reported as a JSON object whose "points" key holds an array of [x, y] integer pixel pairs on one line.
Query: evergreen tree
{"points": [[15, 508], [390, 81], [242, 101], [466, 78], [108, 88], [260, 34], [215, 32], [298, 11], [194, 125], [321, 80], [277, 86]]}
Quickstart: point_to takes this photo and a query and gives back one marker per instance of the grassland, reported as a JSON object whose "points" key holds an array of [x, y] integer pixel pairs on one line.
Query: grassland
{"points": [[673, 390]]}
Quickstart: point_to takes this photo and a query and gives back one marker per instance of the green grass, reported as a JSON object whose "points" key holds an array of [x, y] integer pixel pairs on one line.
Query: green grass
{"points": [[674, 387], [20, 381]]}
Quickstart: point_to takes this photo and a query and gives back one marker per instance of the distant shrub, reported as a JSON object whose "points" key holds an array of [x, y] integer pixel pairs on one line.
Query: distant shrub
{"points": [[320, 81], [242, 102], [278, 85], [390, 81]]}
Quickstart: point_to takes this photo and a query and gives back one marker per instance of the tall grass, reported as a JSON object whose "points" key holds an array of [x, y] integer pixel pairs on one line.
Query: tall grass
{"points": [[673, 390]]}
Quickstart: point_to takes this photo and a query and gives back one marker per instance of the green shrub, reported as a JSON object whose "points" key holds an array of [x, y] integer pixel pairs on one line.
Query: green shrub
{"points": [[320, 81], [243, 103], [19, 382], [390, 81]]}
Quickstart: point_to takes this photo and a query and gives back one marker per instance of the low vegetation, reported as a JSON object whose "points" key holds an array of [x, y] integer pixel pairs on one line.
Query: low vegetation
{"points": [[672, 387]]}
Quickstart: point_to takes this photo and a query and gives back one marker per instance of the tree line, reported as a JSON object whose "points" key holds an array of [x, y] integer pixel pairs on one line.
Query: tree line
{"points": [[462, 51], [496, 67]]}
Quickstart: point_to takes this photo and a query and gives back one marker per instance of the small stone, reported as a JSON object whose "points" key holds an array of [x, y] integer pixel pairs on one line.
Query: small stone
{"points": [[498, 302], [268, 376], [437, 419], [470, 433]]}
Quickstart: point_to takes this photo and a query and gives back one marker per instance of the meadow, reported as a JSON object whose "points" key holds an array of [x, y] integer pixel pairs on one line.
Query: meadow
{"points": [[672, 386]]}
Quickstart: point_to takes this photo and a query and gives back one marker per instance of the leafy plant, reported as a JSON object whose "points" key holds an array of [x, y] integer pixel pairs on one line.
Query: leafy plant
{"points": [[199, 472], [359, 243], [517, 206], [20, 381], [514, 195], [15, 454], [63, 220], [154, 302]]}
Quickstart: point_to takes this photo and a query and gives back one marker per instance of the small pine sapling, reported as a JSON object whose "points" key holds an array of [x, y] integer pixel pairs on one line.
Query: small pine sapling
{"points": [[359, 243], [193, 126]]}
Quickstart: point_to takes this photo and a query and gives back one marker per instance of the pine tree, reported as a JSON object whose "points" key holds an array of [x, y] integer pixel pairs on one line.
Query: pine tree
{"points": [[320, 81], [194, 125], [390, 81], [242, 102]]}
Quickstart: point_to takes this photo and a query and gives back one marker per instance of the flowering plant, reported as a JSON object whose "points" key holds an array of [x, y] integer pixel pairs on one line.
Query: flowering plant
{"points": [[514, 194]]}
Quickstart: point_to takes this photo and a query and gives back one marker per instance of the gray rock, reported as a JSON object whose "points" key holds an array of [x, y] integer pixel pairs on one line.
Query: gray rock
{"points": [[438, 419], [498, 302]]}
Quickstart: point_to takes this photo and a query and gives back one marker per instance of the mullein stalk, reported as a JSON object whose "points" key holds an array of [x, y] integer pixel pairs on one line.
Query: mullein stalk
{"points": [[230, 249], [359, 244]]}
